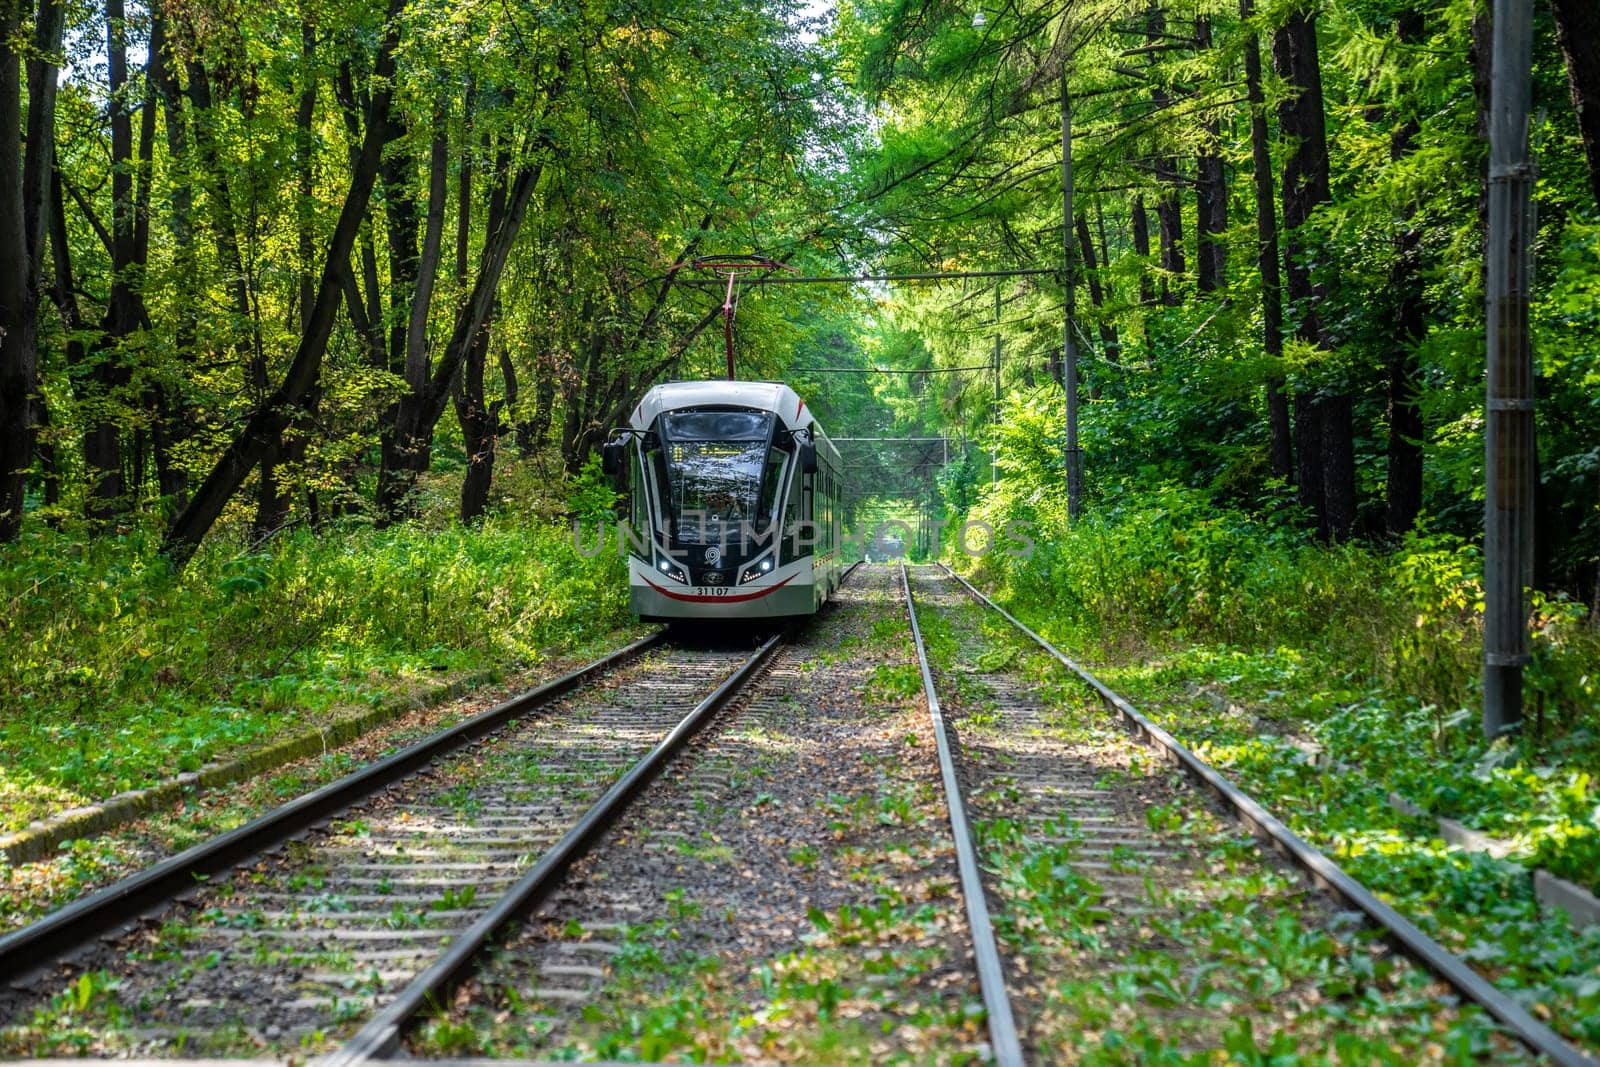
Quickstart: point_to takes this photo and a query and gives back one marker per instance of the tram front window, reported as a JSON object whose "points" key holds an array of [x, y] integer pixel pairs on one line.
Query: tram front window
{"points": [[716, 462]]}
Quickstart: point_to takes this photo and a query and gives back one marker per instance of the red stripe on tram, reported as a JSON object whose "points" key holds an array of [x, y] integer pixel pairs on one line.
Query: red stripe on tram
{"points": [[694, 598]]}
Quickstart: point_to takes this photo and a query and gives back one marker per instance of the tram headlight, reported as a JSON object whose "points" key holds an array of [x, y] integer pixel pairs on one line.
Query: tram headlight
{"points": [[670, 569], [756, 570]]}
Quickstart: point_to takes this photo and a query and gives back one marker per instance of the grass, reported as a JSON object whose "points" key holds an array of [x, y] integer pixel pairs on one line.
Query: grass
{"points": [[1231, 939], [1250, 644], [120, 673]]}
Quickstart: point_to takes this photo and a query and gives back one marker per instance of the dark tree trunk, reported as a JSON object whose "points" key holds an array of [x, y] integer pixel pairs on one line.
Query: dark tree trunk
{"points": [[1097, 296], [479, 422], [405, 455], [1141, 246], [1404, 489], [1169, 213], [1308, 409], [420, 409], [171, 420], [1327, 481], [532, 434], [364, 297], [1279, 446], [1211, 197], [296, 439], [163, 400], [419, 412], [269, 419], [24, 205], [102, 444], [1578, 30], [247, 340], [274, 498], [1169, 207], [1338, 465], [479, 429], [400, 215]]}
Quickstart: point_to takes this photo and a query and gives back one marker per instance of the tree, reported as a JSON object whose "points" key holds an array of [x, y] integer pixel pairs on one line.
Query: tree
{"points": [[1323, 430], [24, 204], [1578, 28], [269, 419]]}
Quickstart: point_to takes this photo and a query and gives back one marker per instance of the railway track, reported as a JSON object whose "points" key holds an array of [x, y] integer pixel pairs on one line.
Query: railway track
{"points": [[785, 893], [370, 898], [806, 877], [1105, 889]]}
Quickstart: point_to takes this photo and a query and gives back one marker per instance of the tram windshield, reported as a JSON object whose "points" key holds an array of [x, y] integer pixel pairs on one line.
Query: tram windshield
{"points": [[721, 473]]}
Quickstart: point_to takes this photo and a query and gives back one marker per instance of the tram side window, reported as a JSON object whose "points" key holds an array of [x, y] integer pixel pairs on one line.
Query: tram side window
{"points": [[821, 511], [638, 500], [827, 510]]}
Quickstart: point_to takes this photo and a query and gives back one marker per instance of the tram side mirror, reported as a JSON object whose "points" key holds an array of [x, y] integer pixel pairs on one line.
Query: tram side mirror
{"points": [[808, 457], [613, 459]]}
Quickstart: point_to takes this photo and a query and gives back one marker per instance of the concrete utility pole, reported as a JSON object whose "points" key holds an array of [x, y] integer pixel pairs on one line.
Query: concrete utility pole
{"points": [[1508, 419], [994, 456], [1069, 343]]}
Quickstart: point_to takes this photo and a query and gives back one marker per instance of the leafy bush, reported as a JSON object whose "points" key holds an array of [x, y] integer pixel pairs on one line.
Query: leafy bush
{"points": [[1374, 654]]}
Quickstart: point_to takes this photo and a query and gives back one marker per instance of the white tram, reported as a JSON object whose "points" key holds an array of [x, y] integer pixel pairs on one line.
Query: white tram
{"points": [[733, 498]]}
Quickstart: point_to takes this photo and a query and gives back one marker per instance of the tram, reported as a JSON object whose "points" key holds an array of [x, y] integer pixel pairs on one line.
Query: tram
{"points": [[733, 503]]}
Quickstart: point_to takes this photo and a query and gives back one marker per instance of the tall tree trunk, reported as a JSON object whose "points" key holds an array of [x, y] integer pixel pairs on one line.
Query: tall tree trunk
{"points": [[479, 422], [1141, 246], [163, 400], [102, 445], [420, 411], [1169, 206], [404, 457], [1097, 296], [1211, 196], [1169, 212], [24, 205], [177, 418], [532, 434], [247, 340], [1578, 31], [479, 428], [1327, 477], [395, 178], [1404, 489], [296, 440], [1308, 457], [1279, 446], [269, 419]]}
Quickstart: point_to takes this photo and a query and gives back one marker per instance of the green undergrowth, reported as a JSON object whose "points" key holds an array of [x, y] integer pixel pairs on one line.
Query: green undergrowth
{"points": [[1235, 955], [1323, 679], [119, 673]]}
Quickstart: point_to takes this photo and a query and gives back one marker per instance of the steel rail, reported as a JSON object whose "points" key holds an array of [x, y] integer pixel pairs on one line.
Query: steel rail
{"points": [[380, 1037], [36, 945], [1004, 1043], [1319, 868]]}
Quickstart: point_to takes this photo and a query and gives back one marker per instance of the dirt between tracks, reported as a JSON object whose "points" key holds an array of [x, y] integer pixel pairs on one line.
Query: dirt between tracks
{"points": [[787, 893]]}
